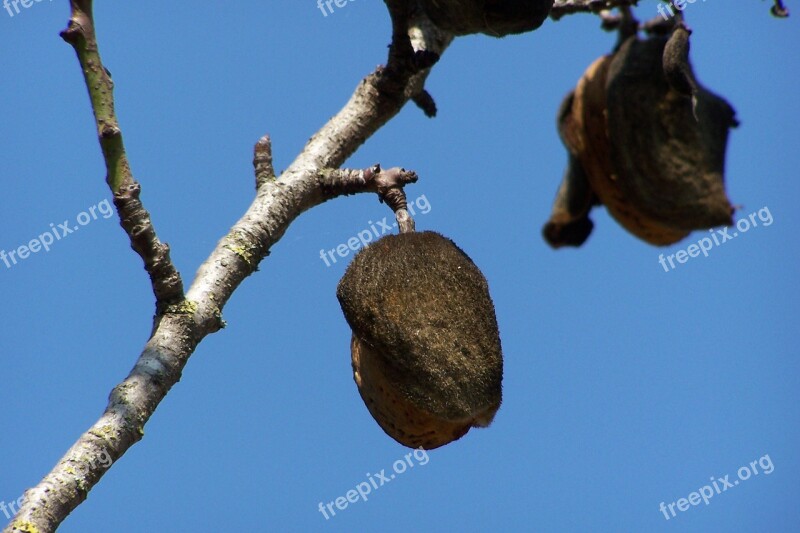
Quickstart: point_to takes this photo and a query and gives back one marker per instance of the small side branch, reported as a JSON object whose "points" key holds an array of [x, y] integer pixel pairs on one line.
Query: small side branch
{"points": [[335, 182], [134, 218], [388, 184], [262, 161], [426, 103]]}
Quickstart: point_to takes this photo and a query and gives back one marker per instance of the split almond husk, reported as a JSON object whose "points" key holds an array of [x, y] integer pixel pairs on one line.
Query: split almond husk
{"points": [[649, 141]]}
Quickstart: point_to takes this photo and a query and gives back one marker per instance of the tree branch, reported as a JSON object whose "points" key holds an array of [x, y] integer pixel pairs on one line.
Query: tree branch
{"points": [[570, 7], [182, 323]]}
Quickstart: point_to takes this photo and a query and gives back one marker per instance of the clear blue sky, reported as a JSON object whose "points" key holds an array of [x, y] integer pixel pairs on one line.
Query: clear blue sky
{"points": [[625, 385]]}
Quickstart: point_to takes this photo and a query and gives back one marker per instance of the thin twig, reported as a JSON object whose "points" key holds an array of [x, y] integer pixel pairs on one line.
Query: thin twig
{"points": [[134, 218]]}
